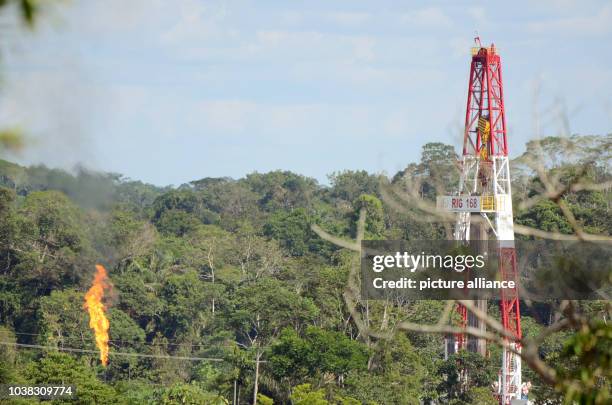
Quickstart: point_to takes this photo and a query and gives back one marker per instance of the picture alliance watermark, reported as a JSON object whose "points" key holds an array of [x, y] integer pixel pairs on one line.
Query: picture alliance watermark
{"points": [[432, 269]]}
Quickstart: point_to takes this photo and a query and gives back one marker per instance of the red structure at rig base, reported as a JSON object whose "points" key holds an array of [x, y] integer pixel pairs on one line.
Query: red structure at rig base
{"points": [[485, 179]]}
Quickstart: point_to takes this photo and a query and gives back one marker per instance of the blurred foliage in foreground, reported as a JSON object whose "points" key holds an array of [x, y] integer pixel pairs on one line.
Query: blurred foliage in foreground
{"points": [[230, 269]]}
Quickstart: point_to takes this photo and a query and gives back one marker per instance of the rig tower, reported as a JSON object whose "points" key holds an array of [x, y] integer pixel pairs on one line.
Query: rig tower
{"points": [[484, 191]]}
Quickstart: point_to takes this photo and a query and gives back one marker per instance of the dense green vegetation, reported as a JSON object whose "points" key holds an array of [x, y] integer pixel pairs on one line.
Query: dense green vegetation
{"points": [[231, 270], [223, 293]]}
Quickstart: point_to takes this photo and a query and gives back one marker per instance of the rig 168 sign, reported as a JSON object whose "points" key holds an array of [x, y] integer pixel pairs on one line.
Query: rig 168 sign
{"points": [[459, 203]]}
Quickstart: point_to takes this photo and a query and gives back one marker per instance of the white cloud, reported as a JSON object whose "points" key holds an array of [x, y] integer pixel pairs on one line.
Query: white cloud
{"points": [[303, 46], [102, 19], [203, 78], [199, 22], [280, 121], [363, 48], [478, 14], [302, 123], [56, 110], [348, 18], [461, 46], [599, 23], [431, 17], [290, 17]]}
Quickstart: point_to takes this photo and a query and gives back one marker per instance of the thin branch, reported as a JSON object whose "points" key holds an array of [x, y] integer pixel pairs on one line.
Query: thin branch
{"points": [[335, 240]]}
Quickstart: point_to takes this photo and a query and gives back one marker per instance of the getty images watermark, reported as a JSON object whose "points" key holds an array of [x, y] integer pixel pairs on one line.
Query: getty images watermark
{"points": [[432, 269]]}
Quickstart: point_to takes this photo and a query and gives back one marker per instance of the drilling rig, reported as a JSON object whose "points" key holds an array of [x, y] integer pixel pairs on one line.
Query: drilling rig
{"points": [[484, 192]]}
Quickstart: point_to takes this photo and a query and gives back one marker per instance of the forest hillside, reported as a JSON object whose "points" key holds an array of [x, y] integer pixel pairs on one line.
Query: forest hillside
{"points": [[222, 291]]}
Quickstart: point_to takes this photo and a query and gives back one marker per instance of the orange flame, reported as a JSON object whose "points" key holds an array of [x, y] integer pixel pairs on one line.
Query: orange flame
{"points": [[97, 318]]}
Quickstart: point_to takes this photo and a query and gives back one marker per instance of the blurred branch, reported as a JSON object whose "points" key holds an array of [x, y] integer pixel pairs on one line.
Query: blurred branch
{"points": [[410, 202], [334, 239], [422, 210], [529, 231]]}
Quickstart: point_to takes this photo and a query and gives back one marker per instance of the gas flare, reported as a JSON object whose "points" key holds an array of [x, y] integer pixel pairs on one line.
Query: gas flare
{"points": [[97, 317]]}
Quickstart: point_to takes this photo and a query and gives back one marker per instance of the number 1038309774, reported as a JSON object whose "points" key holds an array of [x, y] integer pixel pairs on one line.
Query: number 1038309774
{"points": [[38, 391]]}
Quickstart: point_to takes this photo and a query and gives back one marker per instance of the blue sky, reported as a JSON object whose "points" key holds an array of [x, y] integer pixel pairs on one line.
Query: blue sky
{"points": [[172, 91]]}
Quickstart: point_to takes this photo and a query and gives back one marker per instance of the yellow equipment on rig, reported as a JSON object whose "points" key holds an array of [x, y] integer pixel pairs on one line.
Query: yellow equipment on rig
{"points": [[485, 133]]}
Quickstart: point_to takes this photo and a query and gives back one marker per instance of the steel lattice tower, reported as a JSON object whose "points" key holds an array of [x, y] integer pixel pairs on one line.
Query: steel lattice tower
{"points": [[484, 190]]}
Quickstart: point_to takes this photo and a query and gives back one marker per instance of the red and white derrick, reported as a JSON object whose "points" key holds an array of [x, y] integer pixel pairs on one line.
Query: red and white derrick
{"points": [[484, 190]]}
